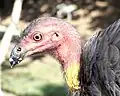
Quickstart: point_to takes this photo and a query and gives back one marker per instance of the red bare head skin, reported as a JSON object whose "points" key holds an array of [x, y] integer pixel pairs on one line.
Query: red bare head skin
{"points": [[53, 36], [58, 38]]}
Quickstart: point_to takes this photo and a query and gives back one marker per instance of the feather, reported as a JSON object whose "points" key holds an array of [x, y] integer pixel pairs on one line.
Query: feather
{"points": [[101, 62]]}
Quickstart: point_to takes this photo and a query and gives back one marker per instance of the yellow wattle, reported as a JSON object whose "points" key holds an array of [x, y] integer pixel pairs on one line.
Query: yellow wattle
{"points": [[71, 76]]}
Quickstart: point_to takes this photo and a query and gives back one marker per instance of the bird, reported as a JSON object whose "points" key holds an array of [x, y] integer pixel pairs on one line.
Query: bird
{"points": [[92, 69]]}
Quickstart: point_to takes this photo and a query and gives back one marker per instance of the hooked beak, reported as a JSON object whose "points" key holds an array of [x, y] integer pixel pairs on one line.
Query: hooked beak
{"points": [[14, 61], [16, 56]]}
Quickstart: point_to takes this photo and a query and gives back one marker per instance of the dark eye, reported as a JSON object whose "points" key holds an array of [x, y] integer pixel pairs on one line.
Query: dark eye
{"points": [[37, 37], [18, 49]]}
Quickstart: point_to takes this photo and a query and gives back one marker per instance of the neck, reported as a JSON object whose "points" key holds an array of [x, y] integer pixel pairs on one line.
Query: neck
{"points": [[69, 56], [69, 52]]}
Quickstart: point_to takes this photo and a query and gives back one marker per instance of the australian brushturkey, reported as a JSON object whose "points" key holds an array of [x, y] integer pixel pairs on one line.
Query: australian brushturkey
{"points": [[90, 70]]}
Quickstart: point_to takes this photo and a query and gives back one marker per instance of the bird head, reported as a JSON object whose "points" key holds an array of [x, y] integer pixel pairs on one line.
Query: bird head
{"points": [[53, 36]]}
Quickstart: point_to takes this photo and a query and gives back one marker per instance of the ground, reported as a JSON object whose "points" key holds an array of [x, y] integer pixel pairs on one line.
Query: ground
{"points": [[43, 76]]}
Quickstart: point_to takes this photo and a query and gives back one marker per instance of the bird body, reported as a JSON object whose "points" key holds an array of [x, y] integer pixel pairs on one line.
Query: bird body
{"points": [[101, 62], [91, 70]]}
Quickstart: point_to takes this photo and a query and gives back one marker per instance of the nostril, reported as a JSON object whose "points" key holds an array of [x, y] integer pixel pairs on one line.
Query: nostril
{"points": [[18, 49]]}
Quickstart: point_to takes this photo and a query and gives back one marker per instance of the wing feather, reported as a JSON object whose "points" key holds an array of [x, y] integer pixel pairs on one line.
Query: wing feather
{"points": [[101, 60]]}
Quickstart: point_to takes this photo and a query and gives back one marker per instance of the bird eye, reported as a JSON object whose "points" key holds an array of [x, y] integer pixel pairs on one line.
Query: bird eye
{"points": [[18, 49], [37, 37]]}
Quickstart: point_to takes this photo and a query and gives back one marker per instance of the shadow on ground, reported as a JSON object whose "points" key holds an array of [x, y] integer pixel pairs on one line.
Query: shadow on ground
{"points": [[50, 90], [47, 90], [36, 7], [109, 10]]}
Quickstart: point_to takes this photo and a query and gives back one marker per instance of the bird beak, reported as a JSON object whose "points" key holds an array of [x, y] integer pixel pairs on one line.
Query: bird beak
{"points": [[14, 61], [16, 56], [12, 65]]}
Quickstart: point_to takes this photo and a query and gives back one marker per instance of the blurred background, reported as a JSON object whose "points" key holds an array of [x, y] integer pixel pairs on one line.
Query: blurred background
{"points": [[41, 75]]}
